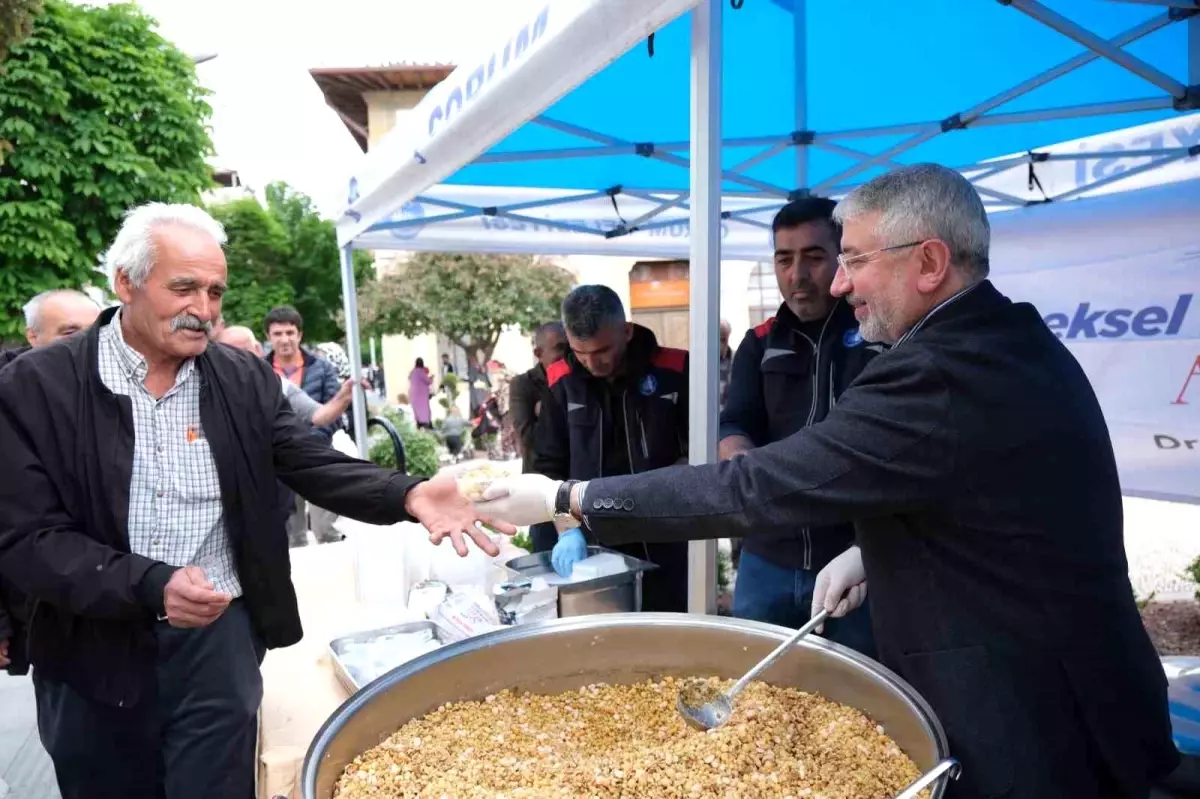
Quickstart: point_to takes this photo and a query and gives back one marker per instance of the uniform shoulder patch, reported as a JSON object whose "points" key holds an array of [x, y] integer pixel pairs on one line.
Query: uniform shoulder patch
{"points": [[557, 371], [670, 358], [764, 330]]}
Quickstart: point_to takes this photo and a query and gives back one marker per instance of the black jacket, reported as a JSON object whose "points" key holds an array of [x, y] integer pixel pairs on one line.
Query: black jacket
{"points": [[783, 381], [524, 393], [642, 415], [321, 382], [64, 498], [976, 464], [13, 604]]}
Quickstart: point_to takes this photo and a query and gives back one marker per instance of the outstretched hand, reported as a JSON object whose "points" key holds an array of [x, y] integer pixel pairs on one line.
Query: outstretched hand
{"points": [[437, 504]]}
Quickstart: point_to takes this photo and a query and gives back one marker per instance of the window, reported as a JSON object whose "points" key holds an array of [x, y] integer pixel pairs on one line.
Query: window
{"points": [[764, 296]]}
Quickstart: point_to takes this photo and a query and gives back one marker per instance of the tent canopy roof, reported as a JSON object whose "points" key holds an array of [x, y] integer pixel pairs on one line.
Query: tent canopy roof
{"points": [[878, 84]]}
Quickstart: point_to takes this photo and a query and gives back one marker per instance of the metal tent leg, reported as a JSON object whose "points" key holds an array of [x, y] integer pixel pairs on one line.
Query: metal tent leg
{"points": [[704, 275], [354, 350]]}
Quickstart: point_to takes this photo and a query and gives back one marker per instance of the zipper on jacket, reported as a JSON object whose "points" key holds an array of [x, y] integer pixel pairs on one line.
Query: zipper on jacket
{"points": [[642, 429], [805, 532], [629, 450]]}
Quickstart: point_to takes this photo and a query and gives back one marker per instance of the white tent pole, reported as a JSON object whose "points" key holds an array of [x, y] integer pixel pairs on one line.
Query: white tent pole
{"points": [[704, 275], [800, 56], [354, 349]]}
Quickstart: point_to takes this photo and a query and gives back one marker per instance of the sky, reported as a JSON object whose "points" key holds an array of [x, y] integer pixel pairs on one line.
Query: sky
{"points": [[270, 121]]}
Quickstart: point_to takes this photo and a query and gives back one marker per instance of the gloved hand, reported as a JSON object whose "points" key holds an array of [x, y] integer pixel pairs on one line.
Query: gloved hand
{"points": [[841, 586], [521, 500], [570, 549]]}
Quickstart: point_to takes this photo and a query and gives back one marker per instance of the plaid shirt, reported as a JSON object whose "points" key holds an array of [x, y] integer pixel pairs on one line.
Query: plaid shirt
{"points": [[175, 510]]}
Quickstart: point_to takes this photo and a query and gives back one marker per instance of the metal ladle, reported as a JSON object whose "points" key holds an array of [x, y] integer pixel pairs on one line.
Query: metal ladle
{"points": [[706, 707]]}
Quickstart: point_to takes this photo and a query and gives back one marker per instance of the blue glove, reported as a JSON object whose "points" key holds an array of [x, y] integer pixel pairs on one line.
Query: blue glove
{"points": [[570, 549]]}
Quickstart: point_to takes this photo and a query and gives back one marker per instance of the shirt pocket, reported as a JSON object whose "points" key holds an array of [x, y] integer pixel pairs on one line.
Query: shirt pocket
{"points": [[195, 474]]}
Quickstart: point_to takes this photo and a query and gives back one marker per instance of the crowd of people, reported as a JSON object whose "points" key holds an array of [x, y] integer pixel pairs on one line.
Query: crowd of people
{"points": [[898, 424]]}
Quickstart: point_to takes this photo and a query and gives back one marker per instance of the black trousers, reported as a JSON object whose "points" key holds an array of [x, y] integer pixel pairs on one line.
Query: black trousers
{"points": [[192, 737], [665, 589]]}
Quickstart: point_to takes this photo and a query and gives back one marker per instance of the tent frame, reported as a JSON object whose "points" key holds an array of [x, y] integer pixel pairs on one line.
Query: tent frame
{"points": [[707, 177]]}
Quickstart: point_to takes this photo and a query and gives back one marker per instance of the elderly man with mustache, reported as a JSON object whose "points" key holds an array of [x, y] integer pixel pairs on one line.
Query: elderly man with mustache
{"points": [[138, 508]]}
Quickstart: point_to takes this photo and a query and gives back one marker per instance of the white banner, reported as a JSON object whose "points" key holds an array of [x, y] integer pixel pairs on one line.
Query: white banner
{"points": [[562, 228], [1133, 323], [1113, 170]]}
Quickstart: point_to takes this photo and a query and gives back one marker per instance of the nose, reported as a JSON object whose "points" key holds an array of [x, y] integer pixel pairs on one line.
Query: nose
{"points": [[841, 285]]}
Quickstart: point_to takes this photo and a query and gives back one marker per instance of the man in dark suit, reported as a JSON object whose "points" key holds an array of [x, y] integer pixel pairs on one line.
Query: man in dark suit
{"points": [[975, 462]]}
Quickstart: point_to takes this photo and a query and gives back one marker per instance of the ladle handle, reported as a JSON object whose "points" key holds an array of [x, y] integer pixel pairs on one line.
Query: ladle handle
{"points": [[808, 627], [949, 765]]}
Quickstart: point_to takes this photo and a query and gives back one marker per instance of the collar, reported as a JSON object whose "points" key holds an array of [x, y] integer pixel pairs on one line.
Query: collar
{"points": [[945, 303], [133, 363]]}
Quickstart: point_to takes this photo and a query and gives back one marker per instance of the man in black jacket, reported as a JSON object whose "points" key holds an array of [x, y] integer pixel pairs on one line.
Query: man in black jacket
{"points": [[50, 316], [976, 464], [787, 374], [528, 393], [619, 407], [138, 509]]}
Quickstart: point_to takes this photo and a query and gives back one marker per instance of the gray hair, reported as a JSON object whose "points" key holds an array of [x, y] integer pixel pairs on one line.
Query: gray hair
{"points": [[588, 309], [132, 250], [925, 201], [33, 308]]}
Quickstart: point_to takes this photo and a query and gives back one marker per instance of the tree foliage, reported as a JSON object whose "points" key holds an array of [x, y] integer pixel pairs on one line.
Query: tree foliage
{"points": [[98, 113], [257, 255], [468, 298], [285, 254], [16, 22]]}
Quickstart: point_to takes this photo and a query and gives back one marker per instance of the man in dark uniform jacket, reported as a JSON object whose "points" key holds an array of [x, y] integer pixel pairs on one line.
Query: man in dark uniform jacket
{"points": [[619, 407], [787, 375], [976, 464]]}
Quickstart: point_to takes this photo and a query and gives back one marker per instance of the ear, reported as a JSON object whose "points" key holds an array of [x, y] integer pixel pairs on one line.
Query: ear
{"points": [[31, 336], [934, 265], [124, 287]]}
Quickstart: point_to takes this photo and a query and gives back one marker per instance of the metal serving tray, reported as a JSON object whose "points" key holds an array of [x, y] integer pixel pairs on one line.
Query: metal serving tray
{"points": [[616, 593], [337, 647]]}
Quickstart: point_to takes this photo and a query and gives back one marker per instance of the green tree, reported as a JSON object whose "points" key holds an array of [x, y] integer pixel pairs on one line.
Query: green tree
{"points": [[466, 297], [285, 253], [314, 264], [258, 255], [98, 113], [16, 21]]}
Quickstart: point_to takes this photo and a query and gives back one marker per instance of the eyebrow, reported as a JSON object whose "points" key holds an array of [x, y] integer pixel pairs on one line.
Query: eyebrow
{"points": [[191, 283], [812, 249]]}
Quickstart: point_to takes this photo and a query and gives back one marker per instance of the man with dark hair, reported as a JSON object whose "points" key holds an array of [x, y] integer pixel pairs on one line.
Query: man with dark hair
{"points": [[619, 405], [787, 375], [319, 379], [529, 392]]}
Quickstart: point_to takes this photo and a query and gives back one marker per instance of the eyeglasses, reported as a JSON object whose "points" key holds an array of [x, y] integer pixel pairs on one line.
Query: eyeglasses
{"points": [[844, 262]]}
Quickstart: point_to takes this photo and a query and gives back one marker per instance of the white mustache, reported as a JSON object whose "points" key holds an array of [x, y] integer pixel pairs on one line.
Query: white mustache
{"points": [[189, 322]]}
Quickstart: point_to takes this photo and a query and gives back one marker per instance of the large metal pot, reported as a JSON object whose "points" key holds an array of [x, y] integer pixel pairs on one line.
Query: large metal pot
{"points": [[555, 656]]}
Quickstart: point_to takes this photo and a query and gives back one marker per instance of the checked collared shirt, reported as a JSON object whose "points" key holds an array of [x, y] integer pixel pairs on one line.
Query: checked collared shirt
{"points": [[175, 510]]}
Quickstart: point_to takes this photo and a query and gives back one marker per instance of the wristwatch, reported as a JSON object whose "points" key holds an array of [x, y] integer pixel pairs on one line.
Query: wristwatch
{"points": [[562, 499]]}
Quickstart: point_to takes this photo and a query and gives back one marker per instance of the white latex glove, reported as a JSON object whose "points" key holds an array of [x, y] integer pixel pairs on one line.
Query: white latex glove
{"points": [[841, 586], [520, 500]]}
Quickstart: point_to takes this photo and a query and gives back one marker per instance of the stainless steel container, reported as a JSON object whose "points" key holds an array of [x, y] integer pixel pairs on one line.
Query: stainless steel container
{"points": [[556, 656], [337, 647], [617, 593]]}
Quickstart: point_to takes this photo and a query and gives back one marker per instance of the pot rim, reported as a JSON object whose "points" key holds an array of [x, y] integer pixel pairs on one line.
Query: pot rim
{"points": [[384, 683]]}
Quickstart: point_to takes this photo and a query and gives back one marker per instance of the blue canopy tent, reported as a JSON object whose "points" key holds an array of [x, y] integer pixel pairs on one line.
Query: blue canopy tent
{"points": [[729, 111]]}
